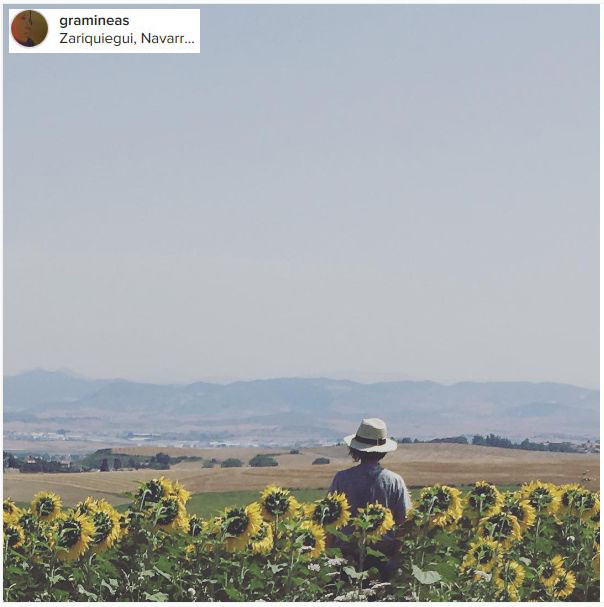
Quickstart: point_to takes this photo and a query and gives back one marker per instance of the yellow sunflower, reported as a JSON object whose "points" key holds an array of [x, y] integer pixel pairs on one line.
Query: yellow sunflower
{"points": [[521, 509], [262, 542], [180, 492], [190, 552], [589, 507], [569, 495], [543, 497], [311, 539], [239, 524], [483, 499], [501, 527], [72, 534], [379, 519], [170, 515], [277, 503], [564, 585], [211, 530], [10, 507], [86, 506], [14, 535], [106, 527], [27, 520], [482, 555], [509, 578], [152, 491], [331, 512], [46, 506], [551, 571], [439, 506]]}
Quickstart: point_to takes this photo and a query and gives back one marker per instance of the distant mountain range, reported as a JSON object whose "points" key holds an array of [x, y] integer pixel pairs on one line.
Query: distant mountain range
{"points": [[294, 408]]}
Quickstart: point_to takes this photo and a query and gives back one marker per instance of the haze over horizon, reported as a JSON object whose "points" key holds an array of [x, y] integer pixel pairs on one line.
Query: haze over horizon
{"points": [[354, 376], [344, 189]]}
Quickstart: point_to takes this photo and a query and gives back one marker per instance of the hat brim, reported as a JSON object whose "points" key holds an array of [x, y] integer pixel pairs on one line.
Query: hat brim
{"points": [[388, 446]]}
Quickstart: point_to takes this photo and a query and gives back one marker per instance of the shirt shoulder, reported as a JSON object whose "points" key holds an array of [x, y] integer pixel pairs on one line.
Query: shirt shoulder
{"points": [[393, 479], [342, 478]]}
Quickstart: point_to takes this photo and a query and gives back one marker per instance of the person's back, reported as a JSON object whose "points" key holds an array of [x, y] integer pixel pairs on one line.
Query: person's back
{"points": [[368, 482]]}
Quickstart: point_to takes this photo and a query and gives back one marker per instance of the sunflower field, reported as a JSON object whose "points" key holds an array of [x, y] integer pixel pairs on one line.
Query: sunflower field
{"points": [[540, 543]]}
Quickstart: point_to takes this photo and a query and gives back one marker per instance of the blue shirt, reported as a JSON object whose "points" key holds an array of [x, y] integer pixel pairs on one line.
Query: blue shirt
{"points": [[368, 483]]}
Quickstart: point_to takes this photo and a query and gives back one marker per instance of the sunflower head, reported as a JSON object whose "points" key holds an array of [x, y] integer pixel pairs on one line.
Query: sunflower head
{"points": [[27, 520], [180, 492], [483, 499], [14, 535], [46, 506], [564, 585], [501, 527], [439, 506], [239, 524], [107, 529], [521, 509], [310, 539], [72, 534], [170, 515], [262, 541], [508, 579], [543, 497], [277, 503], [10, 507], [551, 570], [331, 511], [482, 555], [589, 508], [86, 506], [375, 519], [569, 495], [152, 491]]}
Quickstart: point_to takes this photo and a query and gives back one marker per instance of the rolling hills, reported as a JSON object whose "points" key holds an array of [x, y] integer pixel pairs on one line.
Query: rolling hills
{"points": [[298, 409]]}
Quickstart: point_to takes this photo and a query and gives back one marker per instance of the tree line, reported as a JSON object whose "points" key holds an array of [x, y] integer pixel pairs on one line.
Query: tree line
{"points": [[494, 440]]}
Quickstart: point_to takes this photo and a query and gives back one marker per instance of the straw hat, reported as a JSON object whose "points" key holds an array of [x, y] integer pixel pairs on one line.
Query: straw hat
{"points": [[372, 436]]}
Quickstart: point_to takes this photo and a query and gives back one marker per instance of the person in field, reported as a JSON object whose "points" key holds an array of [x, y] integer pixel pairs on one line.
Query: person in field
{"points": [[368, 482]]}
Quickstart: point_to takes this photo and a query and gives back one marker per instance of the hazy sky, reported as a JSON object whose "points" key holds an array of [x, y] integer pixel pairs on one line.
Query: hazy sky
{"points": [[410, 190]]}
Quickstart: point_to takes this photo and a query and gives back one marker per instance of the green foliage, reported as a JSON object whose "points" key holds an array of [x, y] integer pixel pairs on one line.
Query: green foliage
{"points": [[150, 563], [261, 460], [231, 462]]}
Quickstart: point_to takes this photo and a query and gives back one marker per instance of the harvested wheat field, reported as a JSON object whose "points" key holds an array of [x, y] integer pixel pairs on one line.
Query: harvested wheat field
{"points": [[419, 464]]}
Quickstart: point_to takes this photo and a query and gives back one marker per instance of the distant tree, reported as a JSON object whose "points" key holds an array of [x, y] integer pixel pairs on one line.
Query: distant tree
{"points": [[117, 463], [162, 458], [478, 440], [231, 462], [321, 460], [132, 463], [294, 451], [261, 461], [207, 464], [104, 465], [460, 440], [405, 440], [415, 441]]}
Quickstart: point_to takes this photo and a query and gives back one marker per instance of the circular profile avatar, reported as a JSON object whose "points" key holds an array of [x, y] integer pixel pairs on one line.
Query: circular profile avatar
{"points": [[29, 28]]}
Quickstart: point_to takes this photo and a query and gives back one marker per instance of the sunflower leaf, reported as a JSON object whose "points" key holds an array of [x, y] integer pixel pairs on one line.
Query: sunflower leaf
{"points": [[157, 597], [426, 577]]}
